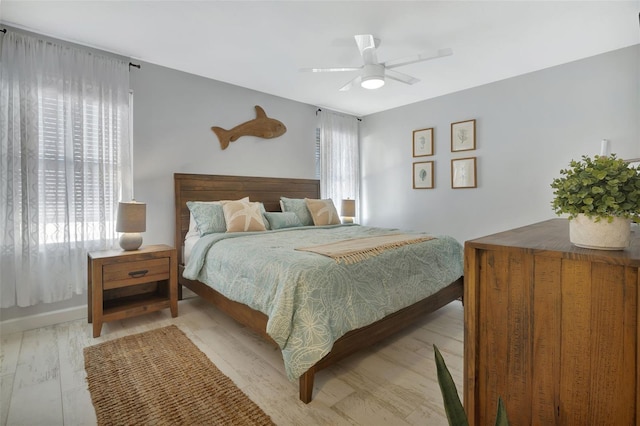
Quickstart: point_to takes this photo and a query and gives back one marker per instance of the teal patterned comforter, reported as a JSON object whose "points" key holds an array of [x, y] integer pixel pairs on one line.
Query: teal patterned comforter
{"points": [[311, 300]]}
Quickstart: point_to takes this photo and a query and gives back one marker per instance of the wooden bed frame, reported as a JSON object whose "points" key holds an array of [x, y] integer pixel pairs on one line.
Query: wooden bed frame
{"points": [[194, 187]]}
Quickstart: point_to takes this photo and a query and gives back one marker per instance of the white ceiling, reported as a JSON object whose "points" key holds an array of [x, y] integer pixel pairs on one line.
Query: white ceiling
{"points": [[262, 44]]}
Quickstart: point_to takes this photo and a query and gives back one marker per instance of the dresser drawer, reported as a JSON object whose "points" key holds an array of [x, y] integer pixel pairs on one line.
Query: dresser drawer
{"points": [[133, 273]]}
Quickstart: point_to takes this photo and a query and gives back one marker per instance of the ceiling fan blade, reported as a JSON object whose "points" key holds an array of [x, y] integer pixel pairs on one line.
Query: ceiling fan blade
{"points": [[367, 46], [350, 84], [425, 56], [330, 69], [398, 76]]}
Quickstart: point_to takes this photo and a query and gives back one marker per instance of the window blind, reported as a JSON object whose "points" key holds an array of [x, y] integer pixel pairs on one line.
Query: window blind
{"points": [[79, 178]]}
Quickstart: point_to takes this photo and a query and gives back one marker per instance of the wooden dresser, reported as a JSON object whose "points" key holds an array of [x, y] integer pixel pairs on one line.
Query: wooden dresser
{"points": [[551, 328]]}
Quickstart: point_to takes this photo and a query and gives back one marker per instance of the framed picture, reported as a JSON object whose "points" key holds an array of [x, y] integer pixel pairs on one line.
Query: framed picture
{"points": [[423, 142], [423, 175], [463, 136], [463, 173]]}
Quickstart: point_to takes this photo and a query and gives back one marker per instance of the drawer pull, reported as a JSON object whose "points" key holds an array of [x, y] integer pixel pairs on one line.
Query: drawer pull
{"points": [[138, 274]]}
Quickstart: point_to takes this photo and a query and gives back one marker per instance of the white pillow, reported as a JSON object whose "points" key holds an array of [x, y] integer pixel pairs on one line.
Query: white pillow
{"points": [[193, 227]]}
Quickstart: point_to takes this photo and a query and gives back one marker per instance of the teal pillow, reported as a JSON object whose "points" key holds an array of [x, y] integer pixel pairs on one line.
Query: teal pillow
{"points": [[282, 220], [208, 216], [263, 210], [299, 207]]}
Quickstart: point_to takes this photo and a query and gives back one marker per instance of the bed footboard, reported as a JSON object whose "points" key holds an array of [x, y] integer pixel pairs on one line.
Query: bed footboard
{"points": [[371, 334]]}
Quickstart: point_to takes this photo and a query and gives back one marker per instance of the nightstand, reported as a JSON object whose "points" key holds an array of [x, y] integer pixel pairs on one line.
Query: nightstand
{"points": [[123, 284]]}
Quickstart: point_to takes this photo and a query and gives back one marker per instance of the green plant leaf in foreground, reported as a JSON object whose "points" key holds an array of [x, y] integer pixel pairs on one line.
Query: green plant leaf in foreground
{"points": [[452, 405], [501, 416]]}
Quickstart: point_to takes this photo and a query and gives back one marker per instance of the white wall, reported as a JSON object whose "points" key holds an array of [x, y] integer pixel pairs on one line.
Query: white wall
{"points": [[173, 115], [527, 129]]}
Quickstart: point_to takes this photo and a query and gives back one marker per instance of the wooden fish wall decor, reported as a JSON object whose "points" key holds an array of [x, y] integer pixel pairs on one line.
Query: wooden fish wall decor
{"points": [[261, 127]]}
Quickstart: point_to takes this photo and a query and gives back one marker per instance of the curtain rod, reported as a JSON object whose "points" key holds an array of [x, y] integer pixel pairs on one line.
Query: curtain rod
{"points": [[320, 110], [131, 64]]}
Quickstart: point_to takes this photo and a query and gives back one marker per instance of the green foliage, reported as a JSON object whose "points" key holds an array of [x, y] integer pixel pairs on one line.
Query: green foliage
{"points": [[501, 415], [600, 188], [452, 405]]}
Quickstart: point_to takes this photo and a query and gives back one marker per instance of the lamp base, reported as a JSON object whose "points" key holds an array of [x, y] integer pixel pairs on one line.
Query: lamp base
{"points": [[130, 241]]}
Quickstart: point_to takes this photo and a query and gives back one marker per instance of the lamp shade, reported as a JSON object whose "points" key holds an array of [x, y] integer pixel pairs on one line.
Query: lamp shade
{"points": [[132, 217], [348, 208]]}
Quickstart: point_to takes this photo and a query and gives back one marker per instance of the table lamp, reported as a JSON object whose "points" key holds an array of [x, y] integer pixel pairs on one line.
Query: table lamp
{"points": [[348, 210], [132, 220]]}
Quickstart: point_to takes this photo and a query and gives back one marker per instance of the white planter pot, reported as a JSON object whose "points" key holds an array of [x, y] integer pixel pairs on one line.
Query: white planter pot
{"points": [[584, 232]]}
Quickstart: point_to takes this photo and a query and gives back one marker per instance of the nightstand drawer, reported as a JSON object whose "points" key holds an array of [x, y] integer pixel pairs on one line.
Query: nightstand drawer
{"points": [[132, 273]]}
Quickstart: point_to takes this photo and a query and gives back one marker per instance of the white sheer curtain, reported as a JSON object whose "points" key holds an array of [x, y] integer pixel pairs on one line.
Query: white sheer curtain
{"points": [[64, 124], [339, 157]]}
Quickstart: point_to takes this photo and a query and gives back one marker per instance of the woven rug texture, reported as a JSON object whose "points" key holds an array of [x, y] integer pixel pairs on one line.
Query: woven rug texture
{"points": [[160, 377]]}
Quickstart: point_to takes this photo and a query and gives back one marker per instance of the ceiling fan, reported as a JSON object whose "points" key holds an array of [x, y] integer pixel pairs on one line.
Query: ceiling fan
{"points": [[373, 72]]}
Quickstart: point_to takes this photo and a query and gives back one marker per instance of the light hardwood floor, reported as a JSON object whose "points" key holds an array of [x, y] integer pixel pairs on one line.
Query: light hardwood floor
{"points": [[43, 381]]}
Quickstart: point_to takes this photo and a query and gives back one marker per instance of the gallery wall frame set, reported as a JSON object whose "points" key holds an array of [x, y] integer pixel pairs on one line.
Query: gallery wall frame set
{"points": [[463, 170]]}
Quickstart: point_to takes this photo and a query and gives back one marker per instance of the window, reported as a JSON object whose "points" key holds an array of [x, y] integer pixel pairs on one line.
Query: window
{"points": [[317, 152], [339, 156], [64, 112], [75, 186]]}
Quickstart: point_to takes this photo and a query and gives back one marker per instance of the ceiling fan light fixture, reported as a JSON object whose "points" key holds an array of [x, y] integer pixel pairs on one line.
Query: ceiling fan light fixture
{"points": [[372, 76], [372, 83]]}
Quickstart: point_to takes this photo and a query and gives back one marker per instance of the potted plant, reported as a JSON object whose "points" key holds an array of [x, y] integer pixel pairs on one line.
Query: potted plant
{"points": [[601, 197]]}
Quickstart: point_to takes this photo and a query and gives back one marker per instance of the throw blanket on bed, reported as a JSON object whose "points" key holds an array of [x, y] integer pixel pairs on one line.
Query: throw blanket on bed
{"points": [[356, 250], [312, 300]]}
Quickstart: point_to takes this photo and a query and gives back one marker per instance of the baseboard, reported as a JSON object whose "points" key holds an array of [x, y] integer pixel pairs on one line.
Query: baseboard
{"points": [[45, 319]]}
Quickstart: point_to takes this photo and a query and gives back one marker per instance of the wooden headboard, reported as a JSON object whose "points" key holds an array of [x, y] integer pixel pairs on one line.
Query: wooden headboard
{"points": [[195, 187]]}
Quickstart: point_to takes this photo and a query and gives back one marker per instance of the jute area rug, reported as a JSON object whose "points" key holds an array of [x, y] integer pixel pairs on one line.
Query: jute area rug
{"points": [[160, 377]]}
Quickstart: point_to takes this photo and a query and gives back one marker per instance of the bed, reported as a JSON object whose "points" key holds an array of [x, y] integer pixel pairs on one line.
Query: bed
{"points": [[195, 187]]}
